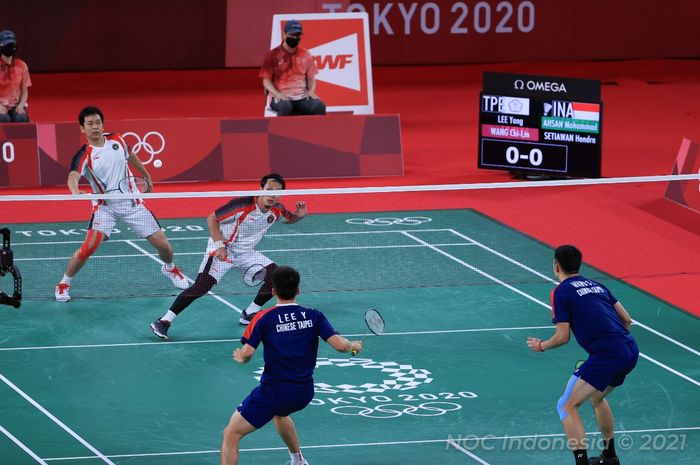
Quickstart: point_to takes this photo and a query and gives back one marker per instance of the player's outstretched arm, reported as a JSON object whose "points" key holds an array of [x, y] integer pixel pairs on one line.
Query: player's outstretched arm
{"points": [[243, 354], [559, 338], [624, 316], [73, 180], [136, 163], [299, 213], [342, 344]]}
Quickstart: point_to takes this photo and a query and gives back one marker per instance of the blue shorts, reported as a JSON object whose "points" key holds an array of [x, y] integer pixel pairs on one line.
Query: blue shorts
{"points": [[609, 368], [266, 401]]}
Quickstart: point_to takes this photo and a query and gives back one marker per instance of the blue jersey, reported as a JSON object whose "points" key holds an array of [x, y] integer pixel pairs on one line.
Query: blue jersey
{"points": [[289, 333], [588, 307]]}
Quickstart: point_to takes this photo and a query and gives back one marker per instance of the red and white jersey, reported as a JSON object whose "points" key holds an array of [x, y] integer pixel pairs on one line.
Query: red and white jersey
{"points": [[289, 72], [104, 166], [243, 224]]}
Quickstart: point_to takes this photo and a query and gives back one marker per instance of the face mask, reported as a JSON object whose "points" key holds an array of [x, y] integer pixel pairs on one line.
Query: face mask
{"points": [[292, 41], [8, 50]]}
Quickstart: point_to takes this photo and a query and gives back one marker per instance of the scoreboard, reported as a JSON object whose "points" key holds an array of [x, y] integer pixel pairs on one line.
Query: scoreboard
{"points": [[540, 125]]}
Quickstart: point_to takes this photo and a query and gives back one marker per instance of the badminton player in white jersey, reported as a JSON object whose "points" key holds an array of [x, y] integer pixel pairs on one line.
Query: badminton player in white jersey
{"points": [[236, 228], [104, 161]]}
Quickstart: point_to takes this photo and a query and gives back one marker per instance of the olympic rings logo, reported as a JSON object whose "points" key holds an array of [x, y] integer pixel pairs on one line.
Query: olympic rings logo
{"points": [[389, 221], [426, 409], [147, 144], [395, 376]]}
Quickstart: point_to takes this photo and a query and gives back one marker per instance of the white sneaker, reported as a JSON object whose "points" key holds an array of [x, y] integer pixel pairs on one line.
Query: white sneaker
{"points": [[61, 292], [176, 277]]}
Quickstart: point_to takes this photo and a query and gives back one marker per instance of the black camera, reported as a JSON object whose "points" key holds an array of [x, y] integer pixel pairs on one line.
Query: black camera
{"points": [[7, 266]]}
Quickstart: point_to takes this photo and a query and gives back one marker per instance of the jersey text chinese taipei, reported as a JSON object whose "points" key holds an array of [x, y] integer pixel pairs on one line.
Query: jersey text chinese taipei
{"points": [[289, 334], [588, 307]]}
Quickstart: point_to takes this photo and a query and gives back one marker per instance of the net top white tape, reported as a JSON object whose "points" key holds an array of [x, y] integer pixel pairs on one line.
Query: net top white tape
{"points": [[363, 190]]}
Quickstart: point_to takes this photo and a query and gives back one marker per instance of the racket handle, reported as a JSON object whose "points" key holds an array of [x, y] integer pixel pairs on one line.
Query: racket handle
{"points": [[353, 352]]}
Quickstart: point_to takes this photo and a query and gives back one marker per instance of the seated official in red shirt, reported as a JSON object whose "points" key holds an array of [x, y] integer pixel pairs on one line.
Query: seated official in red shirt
{"points": [[288, 75], [14, 81]]}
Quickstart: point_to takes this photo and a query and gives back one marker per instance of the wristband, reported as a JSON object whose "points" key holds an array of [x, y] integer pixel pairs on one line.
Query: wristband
{"points": [[219, 245], [539, 347]]}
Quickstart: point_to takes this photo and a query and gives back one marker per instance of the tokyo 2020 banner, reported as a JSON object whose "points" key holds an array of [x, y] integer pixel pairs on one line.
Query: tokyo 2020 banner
{"points": [[236, 33], [487, 31]]}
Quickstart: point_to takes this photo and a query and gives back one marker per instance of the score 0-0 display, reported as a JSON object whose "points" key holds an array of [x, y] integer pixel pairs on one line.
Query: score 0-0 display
{"points": [[540, 125]]}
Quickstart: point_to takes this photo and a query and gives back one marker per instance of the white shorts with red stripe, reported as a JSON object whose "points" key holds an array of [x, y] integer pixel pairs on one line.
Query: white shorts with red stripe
{"points": [[139, 219], [238, 260]]}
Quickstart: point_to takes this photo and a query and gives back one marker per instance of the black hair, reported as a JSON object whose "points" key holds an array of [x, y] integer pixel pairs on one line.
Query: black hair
{"points": [[89, 111], [274, 177], [569, 258], [285, 281]]}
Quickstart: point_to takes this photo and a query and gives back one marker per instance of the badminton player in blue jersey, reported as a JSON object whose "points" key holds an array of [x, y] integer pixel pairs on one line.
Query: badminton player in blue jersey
{"points": [[601, 326], [289, 334]]}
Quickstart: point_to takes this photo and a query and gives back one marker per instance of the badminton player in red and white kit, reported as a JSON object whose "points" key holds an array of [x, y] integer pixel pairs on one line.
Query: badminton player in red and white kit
{"points": [[236, 229], [104, 162]]}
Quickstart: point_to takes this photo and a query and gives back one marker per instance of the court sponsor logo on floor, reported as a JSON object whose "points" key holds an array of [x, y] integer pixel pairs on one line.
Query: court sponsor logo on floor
{"points": [[379, 389], [390, 221]]}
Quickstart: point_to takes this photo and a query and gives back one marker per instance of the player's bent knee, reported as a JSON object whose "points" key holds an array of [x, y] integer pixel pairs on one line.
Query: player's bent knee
{"points": [[91, 243], [562, 404], [231, 435], [560, 408], [159, 241], [203, 284]]}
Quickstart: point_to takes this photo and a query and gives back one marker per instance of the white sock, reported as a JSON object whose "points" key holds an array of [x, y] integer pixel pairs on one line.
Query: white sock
{"points": [[169, 266], [297, 458], [252, 308], [66, 279], [169, 316]]}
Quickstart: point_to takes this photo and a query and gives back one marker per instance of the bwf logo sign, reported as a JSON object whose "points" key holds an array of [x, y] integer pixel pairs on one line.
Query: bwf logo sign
{"points": [[339, 43], [338, 63]]}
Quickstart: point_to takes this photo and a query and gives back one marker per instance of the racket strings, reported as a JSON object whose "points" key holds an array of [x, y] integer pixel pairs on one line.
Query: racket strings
{"points": [[374, 321], [133, 184]]}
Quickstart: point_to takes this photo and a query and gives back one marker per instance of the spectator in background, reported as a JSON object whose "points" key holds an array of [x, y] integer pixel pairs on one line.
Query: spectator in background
{"points": [[14, 81], [288, 75]]}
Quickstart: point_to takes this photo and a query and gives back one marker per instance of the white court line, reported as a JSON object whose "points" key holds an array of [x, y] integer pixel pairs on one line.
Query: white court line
{"points": [[465, 451], [65, 428], [214, 341], [311, 249], [666, 367], [124, 344], [329, 233], [22, 446], [537, 301], [553, 281], [504, 257], [153, 257], [473, 268], [386, 443]]}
